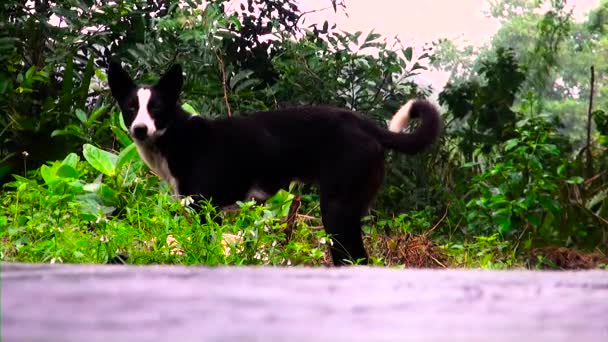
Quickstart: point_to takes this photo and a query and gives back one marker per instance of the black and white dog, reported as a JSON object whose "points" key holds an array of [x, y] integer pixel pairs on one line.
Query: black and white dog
{"points": [[238, 158]]}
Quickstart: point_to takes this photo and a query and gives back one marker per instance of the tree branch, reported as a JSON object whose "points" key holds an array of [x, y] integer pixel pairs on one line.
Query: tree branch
{"points": [[224, 81]]}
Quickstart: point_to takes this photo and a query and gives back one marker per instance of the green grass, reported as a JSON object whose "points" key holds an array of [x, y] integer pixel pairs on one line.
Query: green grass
{"points": [[42, 227], [109, 208], [68, 212]]}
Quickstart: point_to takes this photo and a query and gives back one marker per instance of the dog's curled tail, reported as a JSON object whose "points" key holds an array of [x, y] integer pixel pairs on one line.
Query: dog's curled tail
{"points": [[424, 136]]}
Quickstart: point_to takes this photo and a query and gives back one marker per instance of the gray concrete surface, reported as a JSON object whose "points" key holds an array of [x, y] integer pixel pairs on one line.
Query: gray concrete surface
{"points": [[172, 303]]}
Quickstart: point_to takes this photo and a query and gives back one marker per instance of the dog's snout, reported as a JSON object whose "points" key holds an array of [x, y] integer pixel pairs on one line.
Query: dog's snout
{"points": [[140, 132]]}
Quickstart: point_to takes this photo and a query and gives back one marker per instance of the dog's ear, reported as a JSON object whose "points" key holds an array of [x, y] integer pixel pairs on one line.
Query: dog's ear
{"points": [[120, 82], [170, 84]]}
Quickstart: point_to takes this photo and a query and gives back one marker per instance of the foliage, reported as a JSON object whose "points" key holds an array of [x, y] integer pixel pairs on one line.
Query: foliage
{"points": [[521, 189], [490, 252], [556, 50], [340, 71], [101, 210], [50, 54], [508, 174], [522, 186], [486, 107]]}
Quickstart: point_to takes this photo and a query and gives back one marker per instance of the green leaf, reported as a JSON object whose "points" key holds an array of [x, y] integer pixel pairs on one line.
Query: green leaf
{"points": [[119, 121], [510, 144], [551, 149], [67, 171], [16, 231], [372, 36], [408, 53], [534, 163], [355, 37], [71, 129], [83, 91], [370, 45], [90, 205], [8, 43], [188, 108], [549, 204], [575, 180], [418, 66], [68, 83], [4, 82], [127, 155], [469, 165], [503, 212], [486, 258], [81, 115], [48, 174], [101, 75], [504, 223], [122, 137], [280, 202], [601, 121], [246, 84], [96, 114], [107, 195], [102, 161], [71, 159], [534, 220], [240, 76], [29, 74], [92, 187]]}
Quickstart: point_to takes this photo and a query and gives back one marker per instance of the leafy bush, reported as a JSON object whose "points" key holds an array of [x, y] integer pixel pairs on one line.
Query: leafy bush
{"points": [[508, 174], [105, 209], [520, 188]]}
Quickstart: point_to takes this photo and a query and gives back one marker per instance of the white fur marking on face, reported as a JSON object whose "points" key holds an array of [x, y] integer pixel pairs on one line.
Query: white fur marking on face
{"points": [[143, 117], [401, 118]]}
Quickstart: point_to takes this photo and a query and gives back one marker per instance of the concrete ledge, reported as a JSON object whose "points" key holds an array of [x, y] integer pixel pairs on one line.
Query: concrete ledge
{"points": [[161, 303]]}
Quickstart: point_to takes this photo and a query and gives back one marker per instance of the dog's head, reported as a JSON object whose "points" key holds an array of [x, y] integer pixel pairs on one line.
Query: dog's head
{"points": [[147, 110]]}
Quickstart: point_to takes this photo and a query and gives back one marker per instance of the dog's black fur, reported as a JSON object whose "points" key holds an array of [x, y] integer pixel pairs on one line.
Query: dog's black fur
{"points": [[224, 160]]}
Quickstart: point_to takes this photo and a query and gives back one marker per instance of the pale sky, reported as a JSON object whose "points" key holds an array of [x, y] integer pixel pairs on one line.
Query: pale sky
{"points": [[418, 22]]}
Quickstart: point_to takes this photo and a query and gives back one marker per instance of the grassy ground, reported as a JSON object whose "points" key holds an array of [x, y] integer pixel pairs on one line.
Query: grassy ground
{"points": [[114, 210]]}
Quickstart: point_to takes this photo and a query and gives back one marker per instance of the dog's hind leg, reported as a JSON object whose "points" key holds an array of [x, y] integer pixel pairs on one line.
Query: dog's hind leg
{"points": [[344, 225], [345, 198]]}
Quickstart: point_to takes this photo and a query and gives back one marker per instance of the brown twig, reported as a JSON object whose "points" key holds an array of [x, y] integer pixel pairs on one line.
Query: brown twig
{"points": [[591, 179], [341, 5], [305, 217], [307, 12], [316, 227], [292, 217], [224, 81], [437, 261], [438, 222], [598, 217]]}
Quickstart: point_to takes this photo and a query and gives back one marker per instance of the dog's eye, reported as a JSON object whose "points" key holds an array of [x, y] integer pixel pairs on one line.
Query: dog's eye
{"points": [[154, 107]]}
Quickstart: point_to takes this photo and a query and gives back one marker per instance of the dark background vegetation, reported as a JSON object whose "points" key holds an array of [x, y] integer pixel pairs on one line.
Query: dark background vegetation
{"points": [[519, 172]]}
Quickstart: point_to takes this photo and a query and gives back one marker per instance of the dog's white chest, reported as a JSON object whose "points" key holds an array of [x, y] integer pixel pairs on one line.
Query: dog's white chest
{"points": [[159, 165]]}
